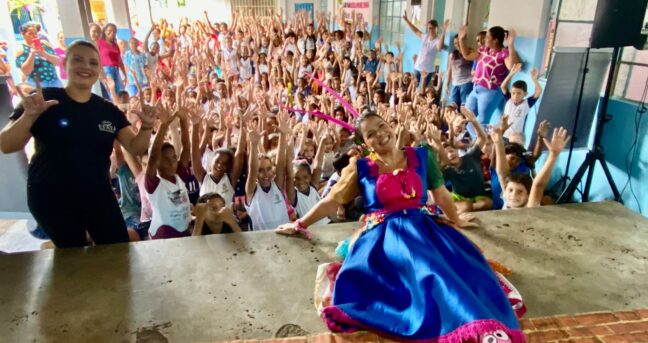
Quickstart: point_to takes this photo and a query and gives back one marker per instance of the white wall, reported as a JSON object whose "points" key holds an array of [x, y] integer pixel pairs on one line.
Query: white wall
{"points": [[527, 17], [219, 11], [117, 13]]}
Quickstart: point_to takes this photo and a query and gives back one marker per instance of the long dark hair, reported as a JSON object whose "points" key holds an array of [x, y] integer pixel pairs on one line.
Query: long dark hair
{"points": [[455, 52], [103, 32], [498, 33], [359, 138]]}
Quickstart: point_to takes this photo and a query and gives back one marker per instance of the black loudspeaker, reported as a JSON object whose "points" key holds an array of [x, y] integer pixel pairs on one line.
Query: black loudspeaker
{"points": [[618, 23]]}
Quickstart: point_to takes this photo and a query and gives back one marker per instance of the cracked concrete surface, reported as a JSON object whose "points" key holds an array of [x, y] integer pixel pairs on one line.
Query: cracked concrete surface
{"points": [[565, 259]]}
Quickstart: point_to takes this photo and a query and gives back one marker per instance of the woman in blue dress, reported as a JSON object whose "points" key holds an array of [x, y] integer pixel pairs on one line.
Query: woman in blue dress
{"points": [[409, 274]]}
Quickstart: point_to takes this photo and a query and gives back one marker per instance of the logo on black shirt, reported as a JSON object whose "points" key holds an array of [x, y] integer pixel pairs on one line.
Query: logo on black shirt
{"points": [[107, 126]]}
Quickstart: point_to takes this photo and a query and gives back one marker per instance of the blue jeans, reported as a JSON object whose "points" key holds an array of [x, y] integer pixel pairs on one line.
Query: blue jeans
{"points": [[428, 78], [113, 72], [459, 93], [486, 104]]}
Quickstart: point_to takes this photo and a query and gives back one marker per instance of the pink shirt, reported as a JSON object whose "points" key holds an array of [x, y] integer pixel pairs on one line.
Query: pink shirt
{"points": [[147, 212], [61, 54], [491, 70], [108, 53]]}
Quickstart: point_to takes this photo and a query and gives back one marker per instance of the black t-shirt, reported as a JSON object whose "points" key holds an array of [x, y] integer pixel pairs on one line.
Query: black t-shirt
{"points": [[468, 179], [73, 141]]}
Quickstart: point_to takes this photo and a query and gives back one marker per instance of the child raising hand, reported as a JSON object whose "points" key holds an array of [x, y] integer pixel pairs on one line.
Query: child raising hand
{"points": [[519, 190]]}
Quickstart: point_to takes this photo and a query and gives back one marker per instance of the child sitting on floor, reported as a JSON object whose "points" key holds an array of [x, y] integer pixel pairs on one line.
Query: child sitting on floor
{"points": [[265, 202], [213, 216], [519, 190], [464, 172], [165, 183], [301, 182]]}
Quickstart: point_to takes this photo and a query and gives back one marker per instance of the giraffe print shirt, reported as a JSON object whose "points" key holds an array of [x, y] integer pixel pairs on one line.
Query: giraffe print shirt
{"points": [[491, 70]]}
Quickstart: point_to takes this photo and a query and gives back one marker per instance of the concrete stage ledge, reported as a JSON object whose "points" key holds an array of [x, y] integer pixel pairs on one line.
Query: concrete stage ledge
{"points": [[566, 259]]}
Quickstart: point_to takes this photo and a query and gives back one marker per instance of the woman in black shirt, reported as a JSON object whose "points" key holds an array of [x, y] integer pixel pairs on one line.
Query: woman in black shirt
{"points": [[68, 184]]}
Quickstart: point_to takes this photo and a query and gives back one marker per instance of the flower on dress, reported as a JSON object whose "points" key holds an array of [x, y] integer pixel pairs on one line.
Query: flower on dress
{"points": [[372, 219]]}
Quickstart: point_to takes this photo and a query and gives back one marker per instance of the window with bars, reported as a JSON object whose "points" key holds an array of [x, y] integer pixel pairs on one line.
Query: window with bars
{"points": [[391, 23], [323, 6], [259, 7], [632, 75], [571, 26]]}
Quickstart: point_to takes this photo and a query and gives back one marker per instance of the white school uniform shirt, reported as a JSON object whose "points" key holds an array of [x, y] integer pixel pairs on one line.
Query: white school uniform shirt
{"points": [[303, 70], [347, 79], [170, 204], [245, 71], [231, 57], [303, 204], [223, 187], [263, 68], [291, 47], [517, 115], [207, 158], [427, 54], [267, 210], [388, 68]]}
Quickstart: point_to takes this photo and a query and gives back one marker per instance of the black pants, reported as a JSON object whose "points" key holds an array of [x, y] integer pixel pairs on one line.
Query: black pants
{"points": [[65, 213]]}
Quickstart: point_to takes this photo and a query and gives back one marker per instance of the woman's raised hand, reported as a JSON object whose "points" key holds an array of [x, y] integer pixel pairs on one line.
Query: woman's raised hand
{"points": [[34, 104], [463, 31], [510, 38]]}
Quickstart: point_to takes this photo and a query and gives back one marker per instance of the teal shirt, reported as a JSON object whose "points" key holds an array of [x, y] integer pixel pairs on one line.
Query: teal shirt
{"points": [[43, 69]]}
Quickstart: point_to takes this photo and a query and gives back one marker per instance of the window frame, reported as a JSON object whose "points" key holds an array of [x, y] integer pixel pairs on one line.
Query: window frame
{"points": [[550, 49], [259, 7], [631, 65], [384, 18]]}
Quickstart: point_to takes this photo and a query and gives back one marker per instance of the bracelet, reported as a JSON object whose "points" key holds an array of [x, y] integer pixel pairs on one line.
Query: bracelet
{"points": [[300, 228]]}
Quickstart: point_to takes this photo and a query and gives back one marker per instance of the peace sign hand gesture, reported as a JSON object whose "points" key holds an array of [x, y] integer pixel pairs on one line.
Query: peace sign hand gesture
{"points": [[34, 104]]}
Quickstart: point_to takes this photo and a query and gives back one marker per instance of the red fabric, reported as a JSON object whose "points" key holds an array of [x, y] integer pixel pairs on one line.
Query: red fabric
{"points": [[165, 232], [109, 54]]}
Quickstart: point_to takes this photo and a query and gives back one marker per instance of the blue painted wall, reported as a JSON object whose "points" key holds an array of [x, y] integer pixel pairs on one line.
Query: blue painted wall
{"points": [[619, 133]]}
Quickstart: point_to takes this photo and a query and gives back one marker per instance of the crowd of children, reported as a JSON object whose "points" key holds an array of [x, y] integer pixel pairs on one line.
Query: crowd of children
{"points": [[256, 118], [272, 123]]}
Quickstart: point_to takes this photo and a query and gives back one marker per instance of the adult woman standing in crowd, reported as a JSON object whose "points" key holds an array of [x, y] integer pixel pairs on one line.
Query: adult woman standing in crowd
{"points": [[432, 43], [37, 59], [493, 64], [68, 185], [459, 76], [95, 34], [110, 54], [60, 52]]}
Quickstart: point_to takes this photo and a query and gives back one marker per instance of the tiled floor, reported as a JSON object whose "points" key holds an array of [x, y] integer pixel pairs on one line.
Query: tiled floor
{"points": [[601, 327]]}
